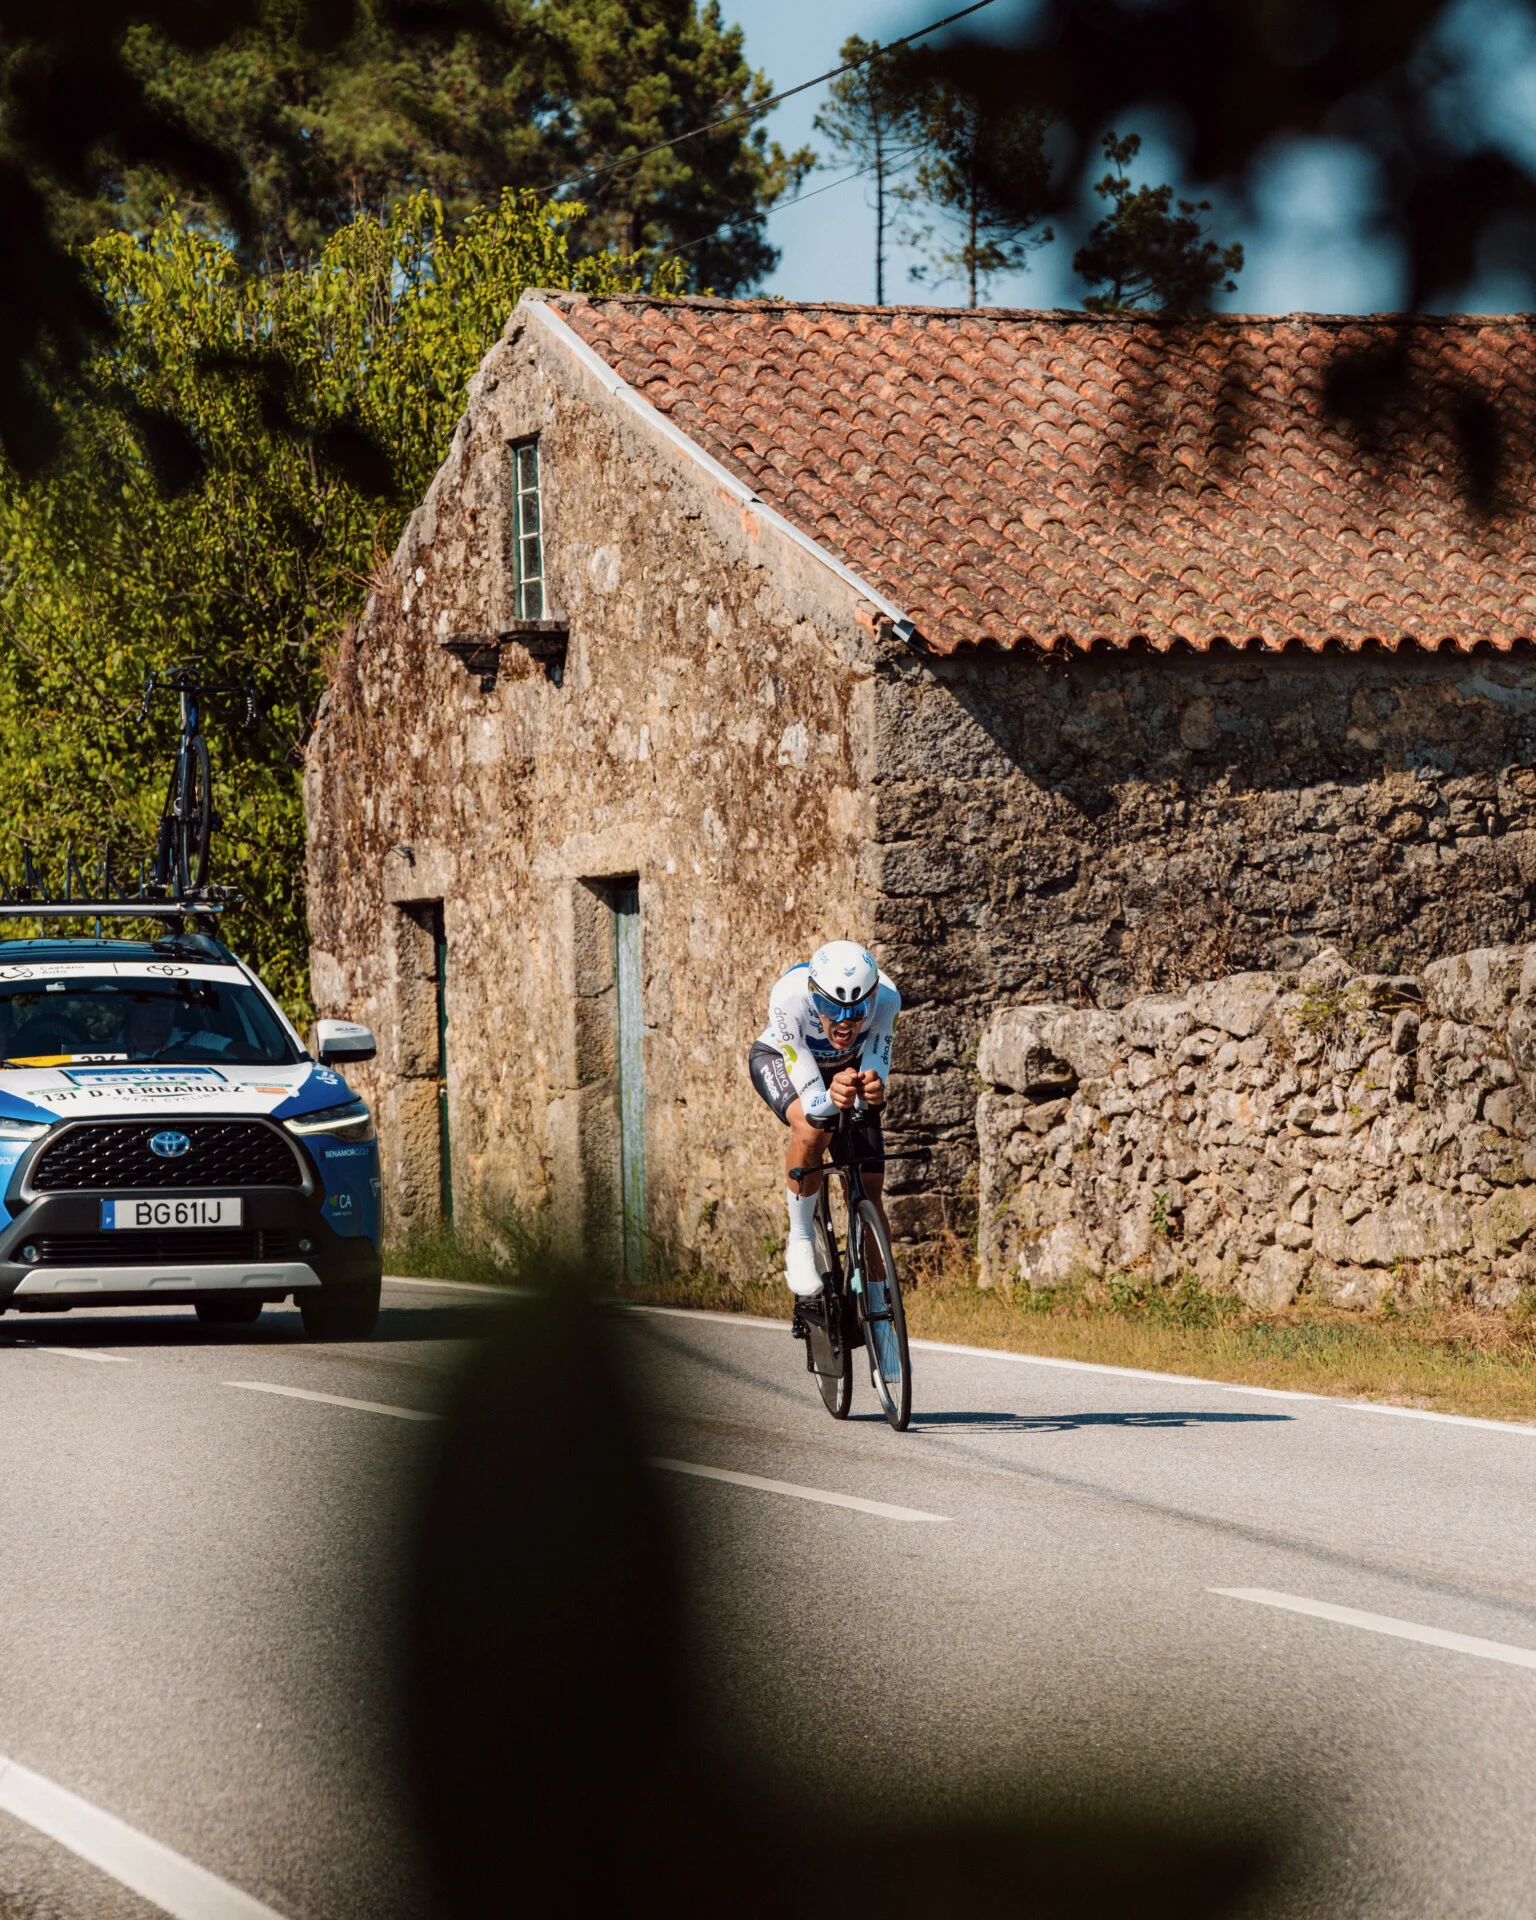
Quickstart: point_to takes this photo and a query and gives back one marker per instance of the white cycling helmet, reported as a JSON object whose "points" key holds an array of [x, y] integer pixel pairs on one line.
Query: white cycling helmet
{"points": [[844, 979]]}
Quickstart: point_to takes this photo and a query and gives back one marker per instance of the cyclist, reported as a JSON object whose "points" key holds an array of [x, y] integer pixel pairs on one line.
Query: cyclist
{"points": [[827, 1047]]}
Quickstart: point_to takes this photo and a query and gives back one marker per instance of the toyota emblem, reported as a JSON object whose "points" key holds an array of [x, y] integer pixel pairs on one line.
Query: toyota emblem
{"points": [[170, 1146]]}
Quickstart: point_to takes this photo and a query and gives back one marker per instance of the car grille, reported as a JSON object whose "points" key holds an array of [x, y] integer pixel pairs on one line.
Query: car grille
{"points": [[116, 1157], [217, 1246]]}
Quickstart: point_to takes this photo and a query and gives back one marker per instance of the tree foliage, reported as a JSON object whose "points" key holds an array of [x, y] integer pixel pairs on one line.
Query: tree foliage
{"points": [[983, 165], [257, 563], [1143, 253], [562, 86]]}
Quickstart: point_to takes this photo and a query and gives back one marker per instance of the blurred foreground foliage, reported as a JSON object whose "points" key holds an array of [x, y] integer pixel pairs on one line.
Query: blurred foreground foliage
{"points": [[237, 462]]}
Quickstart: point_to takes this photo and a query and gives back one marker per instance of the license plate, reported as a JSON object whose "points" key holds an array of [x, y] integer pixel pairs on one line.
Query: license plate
{"points": [[170, 1213]]}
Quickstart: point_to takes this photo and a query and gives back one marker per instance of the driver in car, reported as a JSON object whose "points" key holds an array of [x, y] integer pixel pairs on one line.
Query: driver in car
{"points": [[156, 1024]]}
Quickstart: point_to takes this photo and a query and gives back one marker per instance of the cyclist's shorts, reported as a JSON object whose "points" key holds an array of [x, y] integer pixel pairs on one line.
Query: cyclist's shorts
{"points": [[771, 1078]]}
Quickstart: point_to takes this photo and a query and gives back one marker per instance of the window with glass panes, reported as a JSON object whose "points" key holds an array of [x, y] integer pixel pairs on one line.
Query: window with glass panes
{"points": [[528, 542]]}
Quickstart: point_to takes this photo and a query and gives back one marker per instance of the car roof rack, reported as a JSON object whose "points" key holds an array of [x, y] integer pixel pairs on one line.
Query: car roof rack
{"points": [[104, 897]]}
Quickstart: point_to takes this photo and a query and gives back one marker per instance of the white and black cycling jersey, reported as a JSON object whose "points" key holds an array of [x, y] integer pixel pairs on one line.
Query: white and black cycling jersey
{"points": [[810, 1058]]}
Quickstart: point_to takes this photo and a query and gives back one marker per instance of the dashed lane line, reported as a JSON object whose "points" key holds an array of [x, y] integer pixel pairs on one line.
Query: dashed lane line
{"points": [[1383, 1623], [820, 1494], [87, 1353], [332, 1399], [79, 1352], [167, 1880], [456, 1286]]}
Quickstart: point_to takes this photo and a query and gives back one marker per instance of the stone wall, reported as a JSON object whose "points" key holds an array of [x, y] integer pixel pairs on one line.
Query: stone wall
{"points": [[1091, 829], [1324, 1132]]}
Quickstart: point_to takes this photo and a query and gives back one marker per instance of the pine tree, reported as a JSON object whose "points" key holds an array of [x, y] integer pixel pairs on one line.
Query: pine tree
{"points": [[870, 117], [562, 87], [985, 168], [1143, 253]]}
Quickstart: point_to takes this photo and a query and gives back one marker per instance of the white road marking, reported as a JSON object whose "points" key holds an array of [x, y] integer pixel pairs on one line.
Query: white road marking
{"points": [[879, 1507], [455, 1286], [1132, 1373], [146, 1867], [87, 1353], [77, 1352], [1383, 1623], [332, 1399]]}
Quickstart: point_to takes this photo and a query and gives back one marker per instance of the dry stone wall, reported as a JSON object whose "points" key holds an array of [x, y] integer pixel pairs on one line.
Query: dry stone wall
{"points": [[1326, 1132]]}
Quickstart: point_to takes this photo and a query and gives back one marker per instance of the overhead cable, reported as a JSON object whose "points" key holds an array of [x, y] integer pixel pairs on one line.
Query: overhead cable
{"points": [[763, 106]]}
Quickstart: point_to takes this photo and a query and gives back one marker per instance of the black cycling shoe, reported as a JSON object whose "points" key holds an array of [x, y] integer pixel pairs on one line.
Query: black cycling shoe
{"points": [[796, 1324]]}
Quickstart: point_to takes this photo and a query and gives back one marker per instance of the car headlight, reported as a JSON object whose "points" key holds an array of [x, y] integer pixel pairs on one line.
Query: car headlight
{"points": [[23, 1129], [350, 1122]]}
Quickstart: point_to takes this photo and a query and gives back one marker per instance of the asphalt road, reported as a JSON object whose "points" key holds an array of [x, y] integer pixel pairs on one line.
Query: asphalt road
{"points": [[199, 1593], [1064, 1589], [1057, 1641]]}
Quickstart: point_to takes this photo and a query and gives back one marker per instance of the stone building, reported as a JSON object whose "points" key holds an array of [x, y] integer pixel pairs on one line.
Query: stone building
{"points": [[1062, 658]]}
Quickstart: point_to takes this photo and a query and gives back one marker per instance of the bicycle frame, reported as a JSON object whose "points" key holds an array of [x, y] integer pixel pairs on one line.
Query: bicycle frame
{"points": [[187, 819], [849, 1312]]}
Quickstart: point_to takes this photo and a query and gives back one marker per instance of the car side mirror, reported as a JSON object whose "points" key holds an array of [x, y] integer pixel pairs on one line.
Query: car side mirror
{"points": [[338, 1042]]}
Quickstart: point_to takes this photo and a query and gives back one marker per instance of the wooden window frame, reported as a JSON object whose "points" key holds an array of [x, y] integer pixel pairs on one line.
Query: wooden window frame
{"points": [[527, 530]]}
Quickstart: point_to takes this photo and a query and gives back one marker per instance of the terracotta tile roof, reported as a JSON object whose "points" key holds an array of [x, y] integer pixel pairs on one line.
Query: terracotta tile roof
{"points": [[1056, 479]]}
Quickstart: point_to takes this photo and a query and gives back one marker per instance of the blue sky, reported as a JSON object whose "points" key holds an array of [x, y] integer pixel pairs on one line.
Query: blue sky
{"points": [[1310, 236]]}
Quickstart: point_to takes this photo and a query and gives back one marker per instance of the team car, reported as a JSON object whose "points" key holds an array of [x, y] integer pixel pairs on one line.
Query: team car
{"points": [[167, 1138]]}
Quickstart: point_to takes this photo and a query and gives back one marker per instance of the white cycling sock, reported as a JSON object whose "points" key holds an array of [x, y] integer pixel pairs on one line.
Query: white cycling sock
{"points": [[802, 1214]]}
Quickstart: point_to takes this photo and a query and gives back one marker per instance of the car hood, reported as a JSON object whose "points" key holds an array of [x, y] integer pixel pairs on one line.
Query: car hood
{"points": [[80, 1091]]}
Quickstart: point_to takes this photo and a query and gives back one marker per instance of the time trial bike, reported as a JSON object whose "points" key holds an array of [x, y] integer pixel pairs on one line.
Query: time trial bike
{"points": [[860, 1301], [187, 819]]}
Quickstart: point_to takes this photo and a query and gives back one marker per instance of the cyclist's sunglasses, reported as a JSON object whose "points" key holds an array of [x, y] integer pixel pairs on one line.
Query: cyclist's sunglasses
{"points": [[841, 1010]]}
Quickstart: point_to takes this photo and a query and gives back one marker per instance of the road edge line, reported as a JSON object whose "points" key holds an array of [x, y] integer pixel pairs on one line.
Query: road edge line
{"points": [[1126, 1373]]}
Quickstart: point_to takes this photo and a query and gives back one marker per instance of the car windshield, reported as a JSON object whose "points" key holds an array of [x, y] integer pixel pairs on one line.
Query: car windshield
{"points": [[170, 1022]]}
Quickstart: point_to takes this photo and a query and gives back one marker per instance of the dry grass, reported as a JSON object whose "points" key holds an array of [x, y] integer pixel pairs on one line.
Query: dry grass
{"points": [[1448, 1357], [1451, 1360]]}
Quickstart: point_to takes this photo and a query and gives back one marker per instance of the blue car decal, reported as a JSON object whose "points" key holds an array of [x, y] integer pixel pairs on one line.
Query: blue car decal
{"points": [[320, 1088]]}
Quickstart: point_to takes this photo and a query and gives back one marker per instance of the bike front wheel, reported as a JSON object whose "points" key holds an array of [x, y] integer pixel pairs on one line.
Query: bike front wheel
{"points": [[885, 1320], [832, 1353], [194, 827]]}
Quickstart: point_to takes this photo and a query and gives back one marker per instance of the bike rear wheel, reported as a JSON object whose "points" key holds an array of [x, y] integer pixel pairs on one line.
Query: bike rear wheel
{"points": [[832, 1356], [885, 1320]]}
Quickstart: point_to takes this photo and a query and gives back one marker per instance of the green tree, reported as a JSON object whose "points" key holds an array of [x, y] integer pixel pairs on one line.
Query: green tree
{"points": [[256, 567], [1143, 253], [985, 168], [871, 118], [564, 87]]}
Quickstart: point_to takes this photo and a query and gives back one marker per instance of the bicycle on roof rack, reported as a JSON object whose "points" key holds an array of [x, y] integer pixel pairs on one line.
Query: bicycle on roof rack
{"points": [[177, 888], [860, 1300], [188, 819]]}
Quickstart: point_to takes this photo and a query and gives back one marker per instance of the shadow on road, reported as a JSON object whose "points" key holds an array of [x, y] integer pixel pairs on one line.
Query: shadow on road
{"points": [[562, 1767], [277, 1327], [1072, 1422]]}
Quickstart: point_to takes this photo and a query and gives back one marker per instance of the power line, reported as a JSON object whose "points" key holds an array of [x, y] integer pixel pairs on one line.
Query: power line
{"points": [[896, 160], [763, 106]]}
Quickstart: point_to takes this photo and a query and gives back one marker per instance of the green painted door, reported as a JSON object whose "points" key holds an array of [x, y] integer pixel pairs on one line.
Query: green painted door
{"points": [[445, 1156], [626, 929]]}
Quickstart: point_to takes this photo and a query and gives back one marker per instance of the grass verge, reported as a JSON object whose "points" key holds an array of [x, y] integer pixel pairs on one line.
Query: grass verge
{"points": [[1447, 1358]]}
